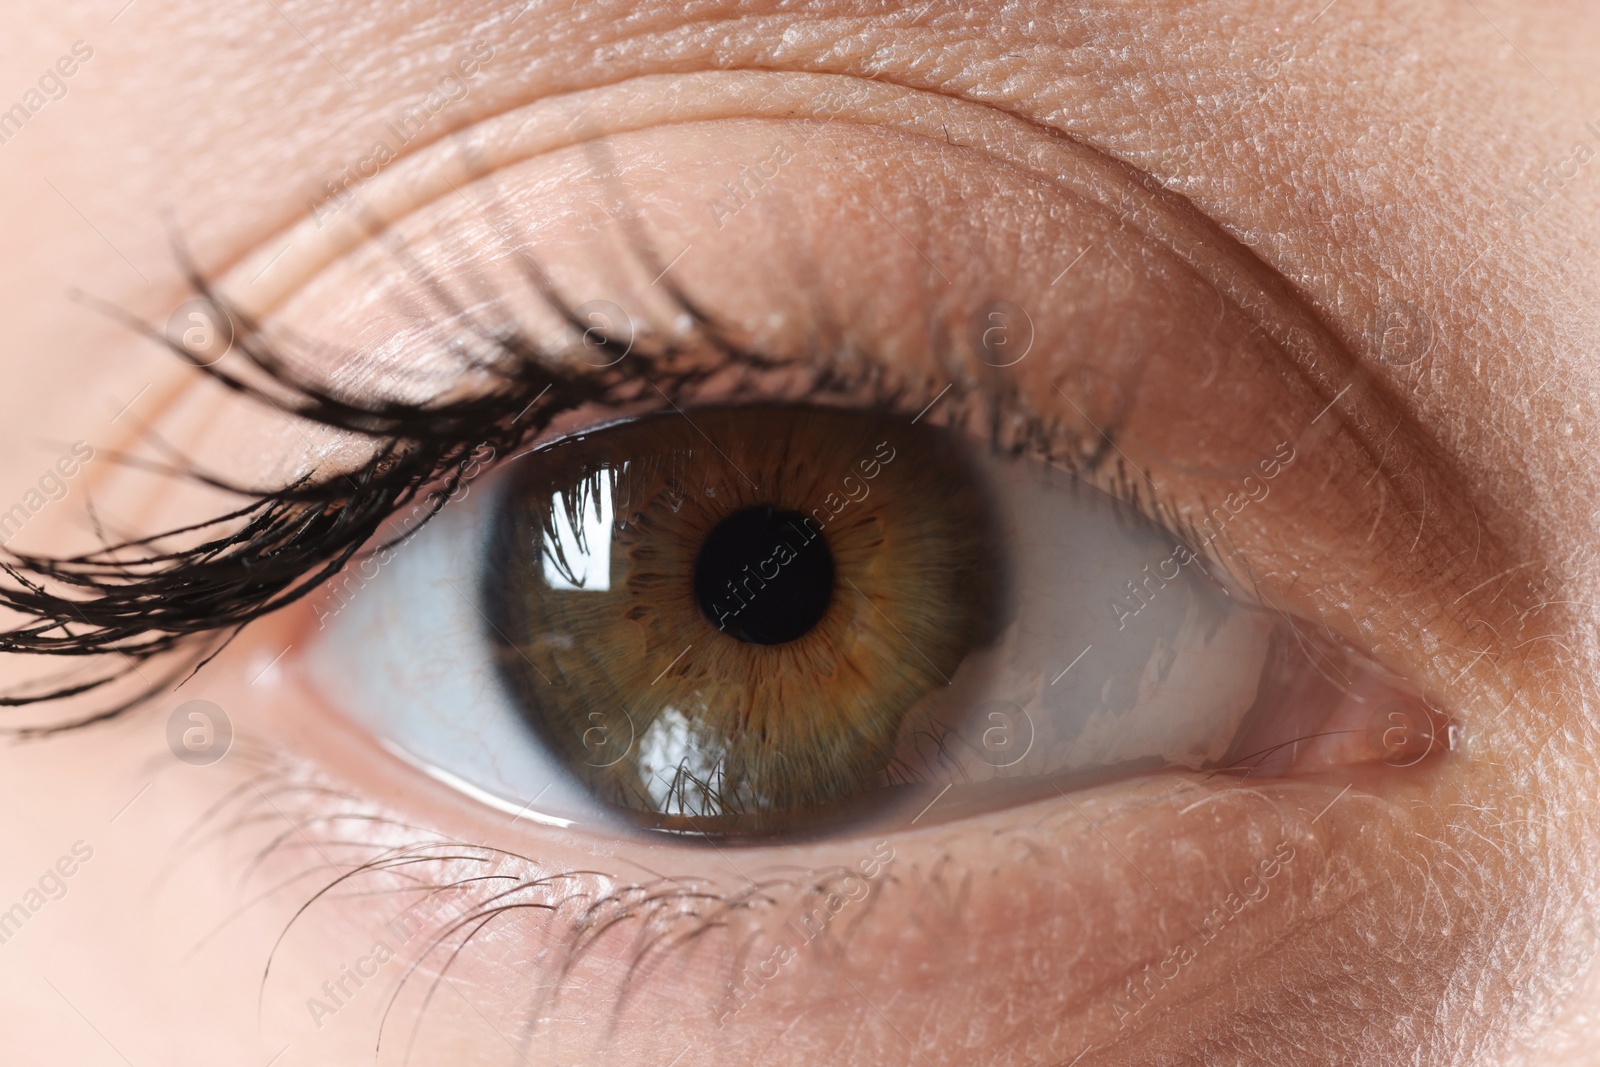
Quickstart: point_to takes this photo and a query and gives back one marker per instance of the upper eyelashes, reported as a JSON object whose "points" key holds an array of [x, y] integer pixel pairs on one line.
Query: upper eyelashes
{"points": [[143, 598], [190, 589]]}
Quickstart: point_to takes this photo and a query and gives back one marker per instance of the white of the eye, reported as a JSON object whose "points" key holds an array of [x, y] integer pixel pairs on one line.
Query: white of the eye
{"points": [[406, 655], [1097, 686]]}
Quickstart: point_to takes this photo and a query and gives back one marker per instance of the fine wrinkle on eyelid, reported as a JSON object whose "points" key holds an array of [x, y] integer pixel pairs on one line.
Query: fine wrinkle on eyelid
{"points": [[416, 179]]}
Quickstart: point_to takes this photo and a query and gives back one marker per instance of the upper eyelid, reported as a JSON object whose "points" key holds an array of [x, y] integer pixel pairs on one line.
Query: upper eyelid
{"points": [[442, 167], [1169, 220], [265, 278]]}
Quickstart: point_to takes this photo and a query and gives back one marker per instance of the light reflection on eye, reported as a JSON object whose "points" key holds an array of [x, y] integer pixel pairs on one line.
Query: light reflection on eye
{"points": [[575, 553], [987, 631]]}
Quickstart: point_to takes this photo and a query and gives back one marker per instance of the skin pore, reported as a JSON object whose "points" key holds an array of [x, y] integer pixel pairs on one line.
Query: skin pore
{"points": [[1409, 175]]}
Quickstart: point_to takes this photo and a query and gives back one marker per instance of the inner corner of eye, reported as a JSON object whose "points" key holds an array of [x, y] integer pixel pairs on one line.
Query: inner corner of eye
{"points": [[771, 621]]}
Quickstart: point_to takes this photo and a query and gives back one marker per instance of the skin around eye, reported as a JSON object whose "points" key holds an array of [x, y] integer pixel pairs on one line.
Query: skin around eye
{"points": [[549, 882], [1361, 151], [1143, 387]]}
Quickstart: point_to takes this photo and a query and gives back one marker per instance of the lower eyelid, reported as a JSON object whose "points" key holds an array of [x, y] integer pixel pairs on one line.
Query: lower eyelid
{"points": [[988, 892]]}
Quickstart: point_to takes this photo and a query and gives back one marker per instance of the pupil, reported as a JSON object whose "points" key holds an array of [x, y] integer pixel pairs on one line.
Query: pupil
{"points": [[764, 576]]}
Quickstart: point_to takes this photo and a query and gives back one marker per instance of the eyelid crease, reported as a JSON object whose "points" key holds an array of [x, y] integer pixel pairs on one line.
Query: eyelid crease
{"points": [[449, 438], [264, 279]]}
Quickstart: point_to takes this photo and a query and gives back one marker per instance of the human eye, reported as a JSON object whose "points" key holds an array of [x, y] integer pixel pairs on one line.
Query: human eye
{"points": [[596, 637], [756, 620], [853, 654], [768, 565]]}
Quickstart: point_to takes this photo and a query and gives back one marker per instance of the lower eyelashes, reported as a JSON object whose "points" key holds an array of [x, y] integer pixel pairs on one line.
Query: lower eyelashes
{"points": [[757, 621]]}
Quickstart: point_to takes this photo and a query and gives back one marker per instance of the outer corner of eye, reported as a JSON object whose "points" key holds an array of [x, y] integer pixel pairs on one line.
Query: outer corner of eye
{"points": [[758, 622]]}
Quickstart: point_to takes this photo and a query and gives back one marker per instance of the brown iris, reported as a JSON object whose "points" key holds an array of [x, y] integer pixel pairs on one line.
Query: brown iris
{"points": [[727, 623]]}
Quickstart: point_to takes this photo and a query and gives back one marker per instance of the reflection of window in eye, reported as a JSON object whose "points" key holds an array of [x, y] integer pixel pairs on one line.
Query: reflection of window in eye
{"points": [[1132, 573]]}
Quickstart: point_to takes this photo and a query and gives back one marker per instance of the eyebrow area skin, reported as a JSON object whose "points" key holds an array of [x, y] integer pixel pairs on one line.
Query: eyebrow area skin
{"points": [[1359, 150]]}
